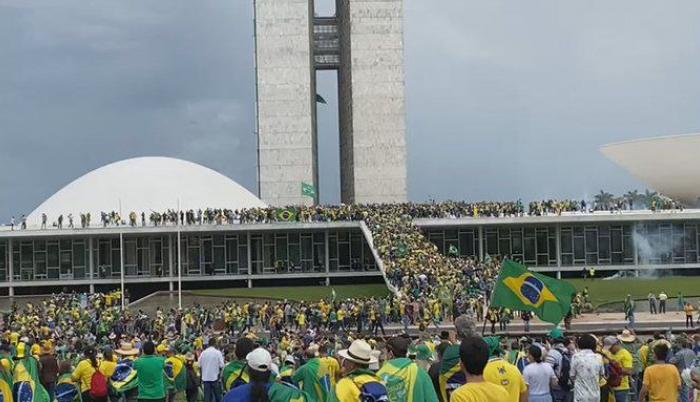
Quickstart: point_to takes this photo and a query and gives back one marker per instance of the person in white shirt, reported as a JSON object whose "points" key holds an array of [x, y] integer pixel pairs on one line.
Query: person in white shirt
{"points": [[662, 302], [539, 376], [586, 370], [211, 361]]}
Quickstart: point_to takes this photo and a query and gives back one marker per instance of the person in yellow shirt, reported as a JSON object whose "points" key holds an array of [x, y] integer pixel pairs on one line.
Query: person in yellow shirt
{"points": [[614, 351], [689, 310], [108, 364], [356, 374], [83, 372], [661, 382], [474, 356], [500, 372]]}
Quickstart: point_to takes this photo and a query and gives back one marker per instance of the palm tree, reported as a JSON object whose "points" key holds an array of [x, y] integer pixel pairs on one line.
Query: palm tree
{"points": [[603, 199], [632, 198], [649, 197]]}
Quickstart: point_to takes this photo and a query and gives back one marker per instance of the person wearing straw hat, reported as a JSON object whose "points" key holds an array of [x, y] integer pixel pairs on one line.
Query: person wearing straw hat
{"points": [[358, 381], [48, 369], [126, 351]]}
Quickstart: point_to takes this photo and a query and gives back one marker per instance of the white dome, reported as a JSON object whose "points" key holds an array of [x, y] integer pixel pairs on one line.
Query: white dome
{"points": [[143, 185]]}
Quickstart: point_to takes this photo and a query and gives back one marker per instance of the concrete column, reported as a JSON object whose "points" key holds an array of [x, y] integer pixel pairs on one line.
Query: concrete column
{"points": [[558, 245], [326, 257], [171, 262], [558, 274], [10, 268], [91, 264], [481, 243], [250, 255], [250, 283]]}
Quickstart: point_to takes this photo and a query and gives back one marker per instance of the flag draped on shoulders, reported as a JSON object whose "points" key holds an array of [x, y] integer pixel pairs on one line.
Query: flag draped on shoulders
{"points": [[234, 374], [314, 378], [26, 381], [451, 375], [67, 390], [124, 377], [519, 289], [406, 382], [6, 380], [175, 373]]}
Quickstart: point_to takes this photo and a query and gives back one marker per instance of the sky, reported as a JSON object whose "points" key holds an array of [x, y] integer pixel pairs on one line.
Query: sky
{"points": [[505, 99]]}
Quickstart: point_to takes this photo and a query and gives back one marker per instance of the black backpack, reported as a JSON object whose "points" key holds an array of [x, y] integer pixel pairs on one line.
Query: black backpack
{"points": [[564, 379]]}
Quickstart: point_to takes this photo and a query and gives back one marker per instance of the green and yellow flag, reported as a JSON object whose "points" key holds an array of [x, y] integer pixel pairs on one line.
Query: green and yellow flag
{"points": [[286, 214], [406, 382], [519, 289], [308, 190]]}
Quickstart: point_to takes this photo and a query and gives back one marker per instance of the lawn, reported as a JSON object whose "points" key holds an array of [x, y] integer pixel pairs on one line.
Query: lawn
{"points": [[299, 292], [614, 290]]}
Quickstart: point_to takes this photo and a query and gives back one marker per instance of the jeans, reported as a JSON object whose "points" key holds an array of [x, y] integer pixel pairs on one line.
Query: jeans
{"points": [[212, 391], [621, 396], [662, 306]]}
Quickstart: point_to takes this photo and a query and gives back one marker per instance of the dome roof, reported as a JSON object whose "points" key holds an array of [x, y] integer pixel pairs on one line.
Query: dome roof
{"points": [[668, 164], [143, 185]]}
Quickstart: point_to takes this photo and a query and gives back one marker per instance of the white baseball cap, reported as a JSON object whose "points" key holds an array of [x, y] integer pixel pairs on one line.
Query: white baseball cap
{"points": [[259, 360]]}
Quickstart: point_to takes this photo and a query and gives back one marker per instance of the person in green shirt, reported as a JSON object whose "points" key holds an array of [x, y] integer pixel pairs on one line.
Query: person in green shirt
{"points": [[150, 374], [234, 373]]}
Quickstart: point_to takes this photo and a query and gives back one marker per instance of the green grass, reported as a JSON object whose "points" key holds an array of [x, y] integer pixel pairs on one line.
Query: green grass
{"points": [[614, 290], [297, 293]]}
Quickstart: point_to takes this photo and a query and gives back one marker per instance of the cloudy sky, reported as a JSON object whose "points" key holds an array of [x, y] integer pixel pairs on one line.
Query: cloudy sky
{"points": [[506, 99]]}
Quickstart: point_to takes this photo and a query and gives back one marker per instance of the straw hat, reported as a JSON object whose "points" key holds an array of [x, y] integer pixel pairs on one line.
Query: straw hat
{"points": [[126, 349], [626, 336], [359, 352]]}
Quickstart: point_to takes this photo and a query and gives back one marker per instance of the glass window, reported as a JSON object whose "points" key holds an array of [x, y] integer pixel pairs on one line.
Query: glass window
{"points": [[79, 254]]}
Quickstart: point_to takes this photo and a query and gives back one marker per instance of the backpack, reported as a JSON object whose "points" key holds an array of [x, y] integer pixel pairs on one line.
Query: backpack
{"points": [[98, 386], [564, 379], [613, 372], [373, 391]]}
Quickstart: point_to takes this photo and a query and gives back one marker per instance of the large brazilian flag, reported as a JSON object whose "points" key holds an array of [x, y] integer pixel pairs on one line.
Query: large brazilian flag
{"points": [[175, 373], [519, 289], [406, 382], [6, 380]]}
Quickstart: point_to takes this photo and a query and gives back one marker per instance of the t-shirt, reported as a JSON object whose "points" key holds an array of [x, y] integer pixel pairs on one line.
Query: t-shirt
{"points": [[538, 377], [663, 382], [480, 392], [626, 362], [348, 389], [107, 368], [150, 375], [500, 372], [83, 373]]}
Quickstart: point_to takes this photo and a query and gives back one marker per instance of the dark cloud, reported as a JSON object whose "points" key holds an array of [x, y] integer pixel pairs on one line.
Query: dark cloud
{"points": [[505, 99]]}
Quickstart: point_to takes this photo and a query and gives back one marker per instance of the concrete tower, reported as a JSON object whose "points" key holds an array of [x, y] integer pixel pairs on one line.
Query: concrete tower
{"points": [[363, 42]]}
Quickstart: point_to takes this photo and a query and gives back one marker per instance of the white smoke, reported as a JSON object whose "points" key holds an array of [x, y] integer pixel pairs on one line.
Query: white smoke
{"points": [[651, 249]]}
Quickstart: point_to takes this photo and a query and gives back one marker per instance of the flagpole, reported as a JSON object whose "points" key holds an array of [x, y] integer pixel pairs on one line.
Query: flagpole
{"points": [[179, 260], [488, 308], [121, 263]]}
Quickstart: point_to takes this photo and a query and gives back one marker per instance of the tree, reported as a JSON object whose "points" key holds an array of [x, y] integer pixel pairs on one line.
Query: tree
{"points": [[603, 199], [633, 198]]}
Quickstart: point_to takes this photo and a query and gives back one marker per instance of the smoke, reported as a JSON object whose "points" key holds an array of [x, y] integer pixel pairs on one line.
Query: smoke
{"points": [[656, 248]]}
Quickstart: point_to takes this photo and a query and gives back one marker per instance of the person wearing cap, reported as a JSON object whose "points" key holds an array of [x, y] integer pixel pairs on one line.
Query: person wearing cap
{"points": [[403, 376], [474, 356], [259, 368], [287, 369], [149, 374], [661, 382], [314, 377], [613, 349], [355, 362], [501, 373], [178, 383]]}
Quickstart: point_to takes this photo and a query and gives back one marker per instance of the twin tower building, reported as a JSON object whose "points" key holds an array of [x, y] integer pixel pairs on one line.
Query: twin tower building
{"points": [[363, 42]]}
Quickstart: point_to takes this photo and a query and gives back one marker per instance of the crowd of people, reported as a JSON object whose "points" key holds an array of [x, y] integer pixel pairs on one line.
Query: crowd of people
{"points": [[602, 201], [77, 347]]}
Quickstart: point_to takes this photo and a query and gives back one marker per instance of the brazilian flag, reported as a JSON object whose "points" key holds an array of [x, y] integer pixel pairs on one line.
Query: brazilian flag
{"points": [[519, 289], [451, 375], [27, 387], [6, 380], [124, 377], [175, 373], [286, 215], [66, 390], [234, 374]]}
